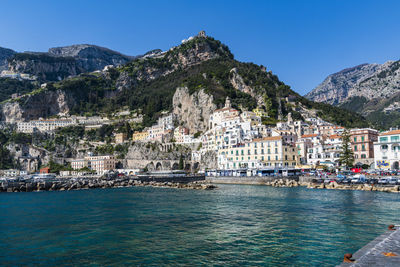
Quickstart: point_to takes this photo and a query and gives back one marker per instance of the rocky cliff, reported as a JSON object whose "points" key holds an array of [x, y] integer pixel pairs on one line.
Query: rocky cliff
{"points": [[36, 106], [91, 57], [45, 67], [5, 54], [193, 110], [335, 89], [61, 62]]}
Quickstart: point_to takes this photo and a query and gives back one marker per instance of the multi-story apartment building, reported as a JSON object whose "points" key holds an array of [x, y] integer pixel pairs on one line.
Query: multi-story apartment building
{"points": [[325, 151], [224, 117], [167, 122], [269, 152], [362, 144], [179, 134], [43, 125], [100, 164], [140, 136], [120, 138], [387, 150]]}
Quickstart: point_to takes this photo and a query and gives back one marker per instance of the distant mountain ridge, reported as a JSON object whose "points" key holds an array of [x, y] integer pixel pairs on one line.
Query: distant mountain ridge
{"points": [[335, 89], [373, 90]]}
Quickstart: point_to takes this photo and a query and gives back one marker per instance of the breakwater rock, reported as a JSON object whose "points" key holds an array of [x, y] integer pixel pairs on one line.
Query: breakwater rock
{"points": [[65, 184], [294, 181], [363, 187]]}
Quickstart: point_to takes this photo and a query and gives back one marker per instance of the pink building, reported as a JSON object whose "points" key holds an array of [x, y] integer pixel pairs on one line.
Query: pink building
{"points": [[362, 143]]}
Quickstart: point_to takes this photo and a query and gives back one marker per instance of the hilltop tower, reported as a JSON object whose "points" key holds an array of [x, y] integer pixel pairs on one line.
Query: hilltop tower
{"points": [[228, 102], [202, 34]]}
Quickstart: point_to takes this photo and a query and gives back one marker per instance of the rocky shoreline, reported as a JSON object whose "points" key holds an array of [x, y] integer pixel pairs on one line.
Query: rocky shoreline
{"points": [[285, 182], [334, 185], [93, 183]]}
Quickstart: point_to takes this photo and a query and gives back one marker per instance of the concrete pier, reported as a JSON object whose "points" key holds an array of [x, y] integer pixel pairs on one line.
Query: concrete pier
{"points": [[383, 251]]}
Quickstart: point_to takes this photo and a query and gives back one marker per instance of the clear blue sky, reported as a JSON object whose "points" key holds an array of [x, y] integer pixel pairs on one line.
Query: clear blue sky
{"points": [[300, 41]]}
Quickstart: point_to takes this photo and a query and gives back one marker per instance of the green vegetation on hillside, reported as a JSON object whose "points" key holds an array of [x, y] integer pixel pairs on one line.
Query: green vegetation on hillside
{"points": [[10, 86], [149, 85]]}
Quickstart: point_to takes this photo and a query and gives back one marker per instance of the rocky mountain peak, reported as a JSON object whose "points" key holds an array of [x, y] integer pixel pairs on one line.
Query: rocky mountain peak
{"points": [[335, 88]]}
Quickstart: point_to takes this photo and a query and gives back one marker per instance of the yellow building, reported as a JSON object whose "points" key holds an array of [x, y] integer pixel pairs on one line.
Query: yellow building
{"points": [[268, 152], [140, 136], [260, 112]]}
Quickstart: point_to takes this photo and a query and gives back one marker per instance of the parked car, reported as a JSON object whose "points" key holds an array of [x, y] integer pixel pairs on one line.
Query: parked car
{"points": [[372, 181], [346, 181], [358, 179], [393, 180], [383, 181]]}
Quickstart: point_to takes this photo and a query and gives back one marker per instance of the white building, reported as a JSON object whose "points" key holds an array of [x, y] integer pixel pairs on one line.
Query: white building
{"points": [[43, 125], [387, 150]]}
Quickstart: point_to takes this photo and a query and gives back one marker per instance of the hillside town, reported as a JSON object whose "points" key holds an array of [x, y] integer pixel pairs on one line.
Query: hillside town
{"points": [[239, 141]]}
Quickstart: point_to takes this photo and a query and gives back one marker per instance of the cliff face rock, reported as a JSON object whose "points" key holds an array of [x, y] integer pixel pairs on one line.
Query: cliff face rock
{"points": [[193, 110], [44, 67], [5, 54], [335, 88], [61, 62], [91, 57], [199, 52], [37, 106], [239, 84], [382, 84]]}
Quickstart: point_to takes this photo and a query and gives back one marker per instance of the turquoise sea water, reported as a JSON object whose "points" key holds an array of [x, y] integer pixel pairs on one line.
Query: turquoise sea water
{"points": [[236, 225]]}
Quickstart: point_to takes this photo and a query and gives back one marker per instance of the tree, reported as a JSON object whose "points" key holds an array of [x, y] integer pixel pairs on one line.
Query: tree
{"points": [[346, 156], [181, 164]]}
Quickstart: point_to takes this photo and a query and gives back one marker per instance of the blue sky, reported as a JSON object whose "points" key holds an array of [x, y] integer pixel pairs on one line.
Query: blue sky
{"points": [[300, 41]]}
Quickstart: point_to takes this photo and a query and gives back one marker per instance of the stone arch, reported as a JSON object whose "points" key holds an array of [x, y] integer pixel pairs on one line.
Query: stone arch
{"points": [[166, 165], [150, 166], [187, 167], [175, 166], [158, 166], [196, 166]]}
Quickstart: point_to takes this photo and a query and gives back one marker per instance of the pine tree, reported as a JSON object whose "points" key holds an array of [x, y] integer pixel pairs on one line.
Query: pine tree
{"points": [[181, 165], [346, 156]]}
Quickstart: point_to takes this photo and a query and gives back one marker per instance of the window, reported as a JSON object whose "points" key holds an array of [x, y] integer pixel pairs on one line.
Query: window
{"points": [[362, 138], [262, 158], [262, 151], [269, 151], [242, 152], [355, 139], [248, 152], [255, 151], [355, 148], [383, 139], [285, 157], [276, 157], [363, 147], [276, 150], [363, 156], [294, 157], [237, 152], [394, 138], [269, 158]]}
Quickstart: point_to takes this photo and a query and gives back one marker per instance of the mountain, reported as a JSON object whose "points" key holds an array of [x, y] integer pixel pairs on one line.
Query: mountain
{"points": [[336, 87], [372, 90], [61, 62], [191, 80], [5, 54]]}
